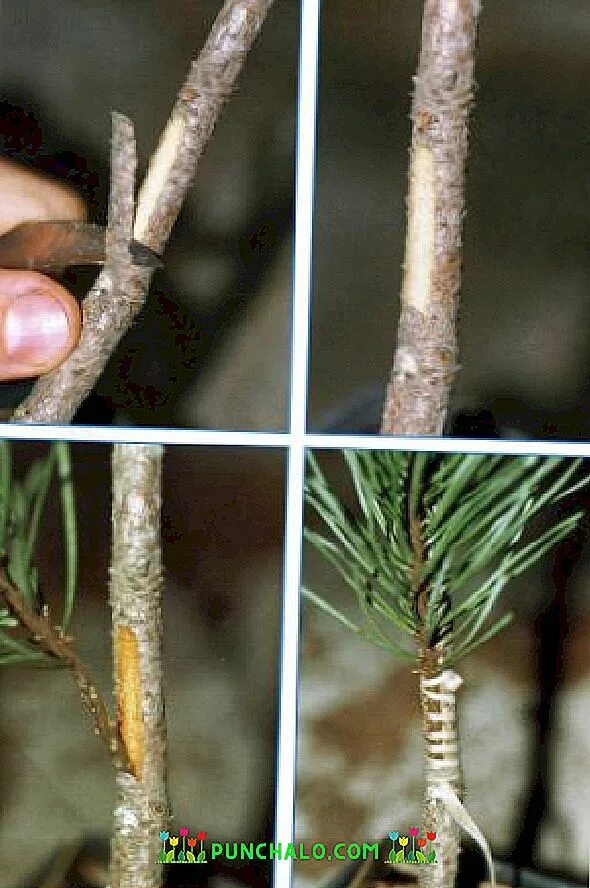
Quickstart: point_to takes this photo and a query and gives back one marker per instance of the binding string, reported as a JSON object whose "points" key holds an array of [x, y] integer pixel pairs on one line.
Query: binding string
{"points": [[442, 756]]}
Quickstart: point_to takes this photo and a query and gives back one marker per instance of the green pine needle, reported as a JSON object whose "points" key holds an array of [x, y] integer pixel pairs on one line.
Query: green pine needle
{"points": [[434, 539], [22, 505]]}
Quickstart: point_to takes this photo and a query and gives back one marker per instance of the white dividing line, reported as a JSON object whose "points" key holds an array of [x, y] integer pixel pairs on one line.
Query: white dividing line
{"points": [[304, 186], [448, 445], [221, 438], [129, 435]]}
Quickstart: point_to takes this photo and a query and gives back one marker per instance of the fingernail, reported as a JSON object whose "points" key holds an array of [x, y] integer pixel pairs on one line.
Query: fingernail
{"points": [[36, 328]]}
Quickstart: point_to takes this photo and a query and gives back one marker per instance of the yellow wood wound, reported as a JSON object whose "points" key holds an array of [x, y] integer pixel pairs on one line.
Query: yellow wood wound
{"points": [[150, 193], [419, 255], [129, 697]]}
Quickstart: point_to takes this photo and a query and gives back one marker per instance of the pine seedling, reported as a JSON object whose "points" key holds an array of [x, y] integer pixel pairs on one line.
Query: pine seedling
{"points": [[433, 542], [29, 631]]}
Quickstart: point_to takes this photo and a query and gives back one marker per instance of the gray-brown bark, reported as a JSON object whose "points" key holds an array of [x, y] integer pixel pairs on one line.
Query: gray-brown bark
{"points": [[112, 305], [135, 597], [425, 360]]}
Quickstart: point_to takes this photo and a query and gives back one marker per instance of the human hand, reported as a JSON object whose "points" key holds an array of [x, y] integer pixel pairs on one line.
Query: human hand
{"points": [[40, 321]]}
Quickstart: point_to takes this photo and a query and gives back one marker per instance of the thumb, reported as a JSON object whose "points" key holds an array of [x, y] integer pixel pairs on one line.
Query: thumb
{"points": [[39, 320], [40, 324]]}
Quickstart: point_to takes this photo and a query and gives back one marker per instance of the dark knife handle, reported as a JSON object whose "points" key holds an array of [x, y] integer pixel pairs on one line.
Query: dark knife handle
{"points": [[53, 245]]}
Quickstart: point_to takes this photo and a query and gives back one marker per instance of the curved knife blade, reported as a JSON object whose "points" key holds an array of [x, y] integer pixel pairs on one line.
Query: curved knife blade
{"points": [[51, 245]]}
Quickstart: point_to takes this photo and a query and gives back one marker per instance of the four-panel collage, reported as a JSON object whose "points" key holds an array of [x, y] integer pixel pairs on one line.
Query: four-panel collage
{"points": [[294, 488]]}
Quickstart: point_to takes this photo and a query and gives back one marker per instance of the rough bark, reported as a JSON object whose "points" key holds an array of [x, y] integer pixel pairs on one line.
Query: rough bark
{"points": [[425, 360], [136, 585]]}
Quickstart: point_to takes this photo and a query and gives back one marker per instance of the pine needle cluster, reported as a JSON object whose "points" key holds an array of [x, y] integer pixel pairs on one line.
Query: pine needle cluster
{"points": [[22, 504], [434, 541]]}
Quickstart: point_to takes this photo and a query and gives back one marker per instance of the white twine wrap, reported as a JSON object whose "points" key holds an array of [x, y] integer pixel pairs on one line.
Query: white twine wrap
{"points": [[443, 775]]}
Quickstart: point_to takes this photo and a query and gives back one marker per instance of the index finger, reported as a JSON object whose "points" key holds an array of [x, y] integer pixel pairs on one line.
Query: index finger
{"points": [[27, 195]]}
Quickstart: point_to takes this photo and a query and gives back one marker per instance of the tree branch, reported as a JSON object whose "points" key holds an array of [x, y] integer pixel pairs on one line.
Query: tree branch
{"points": [[136, 584], [119, 265], [112, 305], [53, 642], [425, 360]]}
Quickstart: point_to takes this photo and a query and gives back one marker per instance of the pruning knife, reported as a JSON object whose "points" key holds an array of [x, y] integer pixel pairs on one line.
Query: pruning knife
{"points": [[52, 246]]}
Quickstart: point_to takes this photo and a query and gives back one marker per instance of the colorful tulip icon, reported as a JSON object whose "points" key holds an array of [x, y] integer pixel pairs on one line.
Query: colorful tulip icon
{"points": [[431, 836], [183, 831], [413, 830], [201, 836], [393, 836], [421, 843], [189, 854], [400, 857], [171, 856], [162, 854]]}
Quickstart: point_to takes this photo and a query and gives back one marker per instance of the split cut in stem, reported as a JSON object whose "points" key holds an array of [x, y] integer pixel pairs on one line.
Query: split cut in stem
{"points": [[114, 301], [425, 360]]}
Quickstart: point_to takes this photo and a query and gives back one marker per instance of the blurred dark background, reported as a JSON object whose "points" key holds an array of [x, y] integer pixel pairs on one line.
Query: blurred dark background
{"points": [[524, 333], [222, 536], [211, 349], [64, 67]]}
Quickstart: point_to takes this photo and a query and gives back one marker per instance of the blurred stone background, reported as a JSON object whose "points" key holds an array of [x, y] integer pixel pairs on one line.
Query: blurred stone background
{"points": [[64, 66], [222, 530], [523, 714]]}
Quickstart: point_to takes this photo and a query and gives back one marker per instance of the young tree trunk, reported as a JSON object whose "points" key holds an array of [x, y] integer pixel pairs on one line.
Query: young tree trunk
{"points": [[425, 360], [442, 772], [136, 585], [442, 777]]}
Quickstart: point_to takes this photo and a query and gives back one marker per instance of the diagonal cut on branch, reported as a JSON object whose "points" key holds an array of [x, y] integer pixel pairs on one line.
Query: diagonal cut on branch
{"points": [[53, 642], [425, 360], [113, 304]]}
